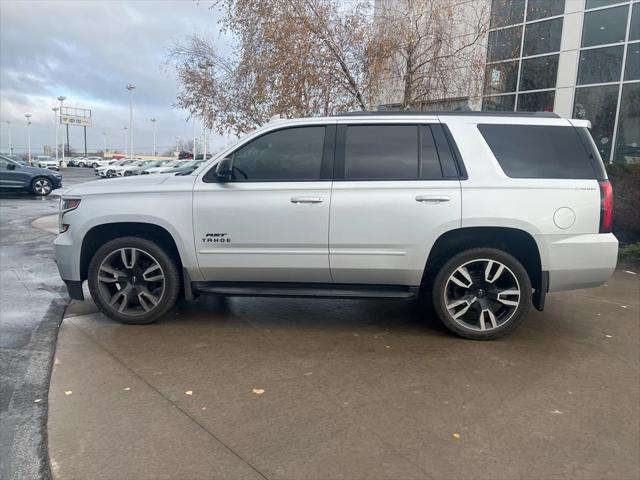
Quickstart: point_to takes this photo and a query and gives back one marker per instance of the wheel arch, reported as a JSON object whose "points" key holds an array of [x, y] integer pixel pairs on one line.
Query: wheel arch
{"points": [[100, 234], [514, 241]]}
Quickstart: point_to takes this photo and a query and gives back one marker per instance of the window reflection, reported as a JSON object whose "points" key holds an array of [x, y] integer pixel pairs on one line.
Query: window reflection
{"points": [[503, 103], [605, 26], [600, 65], [632, 70], [598, 104], [536, 101], [506, 12], [628, 136], [501, 78], [542, 37], [504, 44], [537, 9], [538, 73]]}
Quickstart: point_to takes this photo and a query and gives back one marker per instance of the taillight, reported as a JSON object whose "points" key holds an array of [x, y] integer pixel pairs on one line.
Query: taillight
{"points": [[606, 207]]}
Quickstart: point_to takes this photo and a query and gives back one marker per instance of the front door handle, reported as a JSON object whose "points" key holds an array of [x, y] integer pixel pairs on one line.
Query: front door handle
{"points": [[307, 200], [432, 198]]}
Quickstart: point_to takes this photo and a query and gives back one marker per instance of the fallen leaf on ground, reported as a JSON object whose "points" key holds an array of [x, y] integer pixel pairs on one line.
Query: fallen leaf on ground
{"points": [[37, 400], [68, 392], [630, 272], [204, 408], [258, 391], [189, 392], [126, 389], [557, 412], [455, 435], [609, 336]]}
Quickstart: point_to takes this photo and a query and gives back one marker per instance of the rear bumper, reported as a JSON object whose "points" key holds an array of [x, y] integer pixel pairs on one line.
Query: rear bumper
{"points": [[580, 261]]}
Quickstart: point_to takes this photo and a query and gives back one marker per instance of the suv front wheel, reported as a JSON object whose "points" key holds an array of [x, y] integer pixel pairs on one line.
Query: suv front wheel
{"points": [[482, 293], [133, 280]]}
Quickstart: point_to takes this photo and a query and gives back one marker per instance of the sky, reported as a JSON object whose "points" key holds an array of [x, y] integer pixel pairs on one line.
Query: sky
{"points": [[88, 51]]}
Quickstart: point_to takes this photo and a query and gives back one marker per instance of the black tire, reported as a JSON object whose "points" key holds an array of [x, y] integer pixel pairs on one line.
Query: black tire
{"points": [[485, 295], [109, 174], [81, 164], [41, 186], [100, 290], [94, 165]]}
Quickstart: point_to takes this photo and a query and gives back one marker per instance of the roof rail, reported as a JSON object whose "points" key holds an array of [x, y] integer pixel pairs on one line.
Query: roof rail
{"points": [[367, 113]]}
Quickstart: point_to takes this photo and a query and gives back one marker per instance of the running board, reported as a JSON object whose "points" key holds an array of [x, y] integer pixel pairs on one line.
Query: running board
{"points": [[313, 290]]}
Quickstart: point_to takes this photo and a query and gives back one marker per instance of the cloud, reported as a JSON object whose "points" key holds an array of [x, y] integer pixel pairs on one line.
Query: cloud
{"points": [[88, 51]]}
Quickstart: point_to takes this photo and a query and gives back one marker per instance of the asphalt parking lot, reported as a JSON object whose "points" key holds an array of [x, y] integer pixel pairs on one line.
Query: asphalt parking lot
{"points": [[322, 389]]}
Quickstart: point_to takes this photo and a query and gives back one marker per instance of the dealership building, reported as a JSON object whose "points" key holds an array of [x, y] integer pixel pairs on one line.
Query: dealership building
{"points": [[578, 58]]}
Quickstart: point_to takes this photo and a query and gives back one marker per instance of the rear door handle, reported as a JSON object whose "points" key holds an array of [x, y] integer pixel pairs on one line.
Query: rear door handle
{"points": [[307, 200], [432, 198]]}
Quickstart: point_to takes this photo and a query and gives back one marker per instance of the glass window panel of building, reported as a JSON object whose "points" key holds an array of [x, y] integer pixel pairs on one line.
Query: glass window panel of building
{"points": [[605, 26], [542, 37], [506, 12], [628, 135], [598, 104], [504, 44], [600, 65], [537, 9], [539, 73], [502, 103], [501, 78], [634, 32], [536, 101], [632, 69]]}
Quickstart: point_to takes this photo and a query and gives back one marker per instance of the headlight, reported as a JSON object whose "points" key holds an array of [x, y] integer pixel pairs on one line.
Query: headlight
{"points": [[66, 205]]}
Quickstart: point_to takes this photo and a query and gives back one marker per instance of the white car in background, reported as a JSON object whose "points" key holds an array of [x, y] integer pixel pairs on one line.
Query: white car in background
{"points": [[93, 162], [132, 169], [46, 162], [165, 166], [108, 171]]}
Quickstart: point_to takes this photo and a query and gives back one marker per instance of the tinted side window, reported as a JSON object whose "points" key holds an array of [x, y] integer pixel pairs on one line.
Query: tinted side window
{"points": [[284, 155], [381, 152], [537, 151]]}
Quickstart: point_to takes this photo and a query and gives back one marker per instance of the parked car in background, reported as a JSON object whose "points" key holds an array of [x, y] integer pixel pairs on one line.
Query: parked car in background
{"points": [[93, 162], [46, 162], [129, 169], [186, 168], [108, 171], [39, 181], [164, 165]]}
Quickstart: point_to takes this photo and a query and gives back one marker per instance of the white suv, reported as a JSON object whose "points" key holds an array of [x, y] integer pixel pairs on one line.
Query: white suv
{"points": [[480, 213]]}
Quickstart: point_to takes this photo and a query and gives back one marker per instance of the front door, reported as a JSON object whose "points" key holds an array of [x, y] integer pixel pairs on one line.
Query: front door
{"points": [[396, 190], [12, 176], [270, 222]]}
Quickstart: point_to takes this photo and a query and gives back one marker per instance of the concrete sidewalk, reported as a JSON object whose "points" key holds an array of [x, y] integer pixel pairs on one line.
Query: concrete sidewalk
{"points": [[331, 389]]}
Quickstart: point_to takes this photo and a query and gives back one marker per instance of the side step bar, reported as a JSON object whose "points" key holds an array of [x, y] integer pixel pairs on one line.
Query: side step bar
{"points": [[313, 290]]}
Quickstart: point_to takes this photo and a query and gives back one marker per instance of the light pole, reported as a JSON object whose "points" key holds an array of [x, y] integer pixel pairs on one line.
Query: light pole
{"points": [[63, 164], [104, 148], [10, 144], [131, 88], [153, 121], [55, 127], [177, 148], [28, 115], [194, 137], [125, 142], [204, 142]]}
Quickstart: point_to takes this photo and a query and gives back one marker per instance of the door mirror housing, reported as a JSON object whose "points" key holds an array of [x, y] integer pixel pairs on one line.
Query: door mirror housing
{"points": [[11, 166], [224, 170]]}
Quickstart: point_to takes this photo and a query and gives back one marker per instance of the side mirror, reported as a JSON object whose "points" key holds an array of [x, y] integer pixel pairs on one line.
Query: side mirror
{"points": [[224, 170], [11, 166]]}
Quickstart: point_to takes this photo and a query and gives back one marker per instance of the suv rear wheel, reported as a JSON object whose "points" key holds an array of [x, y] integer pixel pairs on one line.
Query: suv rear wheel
{"points": [[133, 280], [482, 293]]}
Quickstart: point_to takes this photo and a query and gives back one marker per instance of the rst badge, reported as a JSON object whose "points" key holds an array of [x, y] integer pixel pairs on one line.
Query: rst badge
{"points": [[216, 238]]}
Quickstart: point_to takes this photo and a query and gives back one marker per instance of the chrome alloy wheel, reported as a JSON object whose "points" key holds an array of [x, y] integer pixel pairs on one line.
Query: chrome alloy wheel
{"points": [[482, 295], [131, 281], [42, 186]]}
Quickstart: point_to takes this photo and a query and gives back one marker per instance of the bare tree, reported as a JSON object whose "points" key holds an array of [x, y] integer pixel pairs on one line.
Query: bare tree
{"points": [[290, 57], [434, 49]]}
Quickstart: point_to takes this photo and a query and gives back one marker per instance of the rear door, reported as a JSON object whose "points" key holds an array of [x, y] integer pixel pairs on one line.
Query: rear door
{"points": [[396, 190]]}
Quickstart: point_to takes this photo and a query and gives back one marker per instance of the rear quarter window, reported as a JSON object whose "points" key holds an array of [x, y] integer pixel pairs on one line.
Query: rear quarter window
{"points": [[539, 151]]}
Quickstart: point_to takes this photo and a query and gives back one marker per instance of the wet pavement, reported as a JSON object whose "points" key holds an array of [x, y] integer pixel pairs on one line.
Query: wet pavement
{"points": [[32, 301], [337, 389]]}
